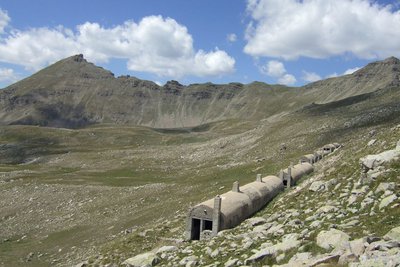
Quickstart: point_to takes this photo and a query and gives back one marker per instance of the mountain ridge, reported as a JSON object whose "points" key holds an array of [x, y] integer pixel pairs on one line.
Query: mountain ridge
{"points": [[74, 93]]}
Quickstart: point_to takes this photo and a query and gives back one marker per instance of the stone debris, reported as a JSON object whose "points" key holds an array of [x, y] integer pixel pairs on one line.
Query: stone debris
{"points": [[327, 216]]}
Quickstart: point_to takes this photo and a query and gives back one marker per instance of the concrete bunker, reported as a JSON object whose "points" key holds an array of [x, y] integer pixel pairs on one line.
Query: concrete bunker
{"points": [[318, 155], [230, 209], [328, 148], [292, 174], [337, 145], [310, 158]]}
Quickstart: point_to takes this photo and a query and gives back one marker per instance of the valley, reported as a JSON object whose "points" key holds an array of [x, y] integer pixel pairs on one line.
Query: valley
{"points": [[110, 178]]}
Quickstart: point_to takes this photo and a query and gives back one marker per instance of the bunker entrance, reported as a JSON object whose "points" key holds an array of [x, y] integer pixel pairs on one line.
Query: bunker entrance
{"points": [[195, 235]]}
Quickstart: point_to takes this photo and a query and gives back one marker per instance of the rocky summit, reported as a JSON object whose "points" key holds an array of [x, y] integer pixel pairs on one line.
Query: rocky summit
{"points": [[97, 170]]}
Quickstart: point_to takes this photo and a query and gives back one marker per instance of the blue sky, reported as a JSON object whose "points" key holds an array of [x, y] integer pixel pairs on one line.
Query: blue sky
{"points": [[290, 42]]}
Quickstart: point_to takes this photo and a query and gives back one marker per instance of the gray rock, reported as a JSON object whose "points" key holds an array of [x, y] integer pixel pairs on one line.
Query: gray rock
{"points": [[327, 209], [371, 142], [346, 258], [166, 249], [393, 234], [261, 254], [276, 230], [357, 246], [333, 239], [317, 186], [189, 260], [215, 253], [315, 224], [328, 259], [261, 228], [379, 258], [280, 257], [382, 245], [374, 174], [231, 263], [387, 201], [382, 187], [254, 221], [372, 239], [373, 161], [142, 260], [82, 264], [350, 223], [301, 257]]}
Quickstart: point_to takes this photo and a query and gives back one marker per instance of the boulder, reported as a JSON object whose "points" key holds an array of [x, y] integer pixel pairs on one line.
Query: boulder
{"points": [[333, 239], [142, 260], [393, 234]]}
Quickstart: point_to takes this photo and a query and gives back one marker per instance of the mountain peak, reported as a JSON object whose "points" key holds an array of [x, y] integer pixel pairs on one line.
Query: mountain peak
{"points": [[391, 60], [78, 58]]}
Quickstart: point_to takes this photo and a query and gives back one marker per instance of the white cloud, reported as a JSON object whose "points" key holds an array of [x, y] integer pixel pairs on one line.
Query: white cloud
{"points": [[4, 20], [7, 75], [311, 76], [274, 68], [231, 37], [157, 45], [277, 70], [351, 71], [287, 79], [322, 28], [332, 75]]}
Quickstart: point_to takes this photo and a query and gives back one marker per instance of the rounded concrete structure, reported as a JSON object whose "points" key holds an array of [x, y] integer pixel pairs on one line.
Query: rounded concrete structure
{"points": [[292, 174], [329, 148], [234, 207], [318, 155], [310, 158]]}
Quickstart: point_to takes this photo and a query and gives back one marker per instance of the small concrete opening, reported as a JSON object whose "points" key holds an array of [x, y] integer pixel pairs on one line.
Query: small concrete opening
{"points": [[195, 235], [208, 225]]}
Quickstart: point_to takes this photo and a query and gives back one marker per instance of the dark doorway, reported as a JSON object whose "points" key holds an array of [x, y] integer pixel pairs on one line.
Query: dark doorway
{"points": [[207, 225], [195, 235]]}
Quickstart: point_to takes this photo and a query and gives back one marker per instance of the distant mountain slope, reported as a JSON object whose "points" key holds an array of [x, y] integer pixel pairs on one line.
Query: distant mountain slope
{"points": [[374, 76], [74, 93]]}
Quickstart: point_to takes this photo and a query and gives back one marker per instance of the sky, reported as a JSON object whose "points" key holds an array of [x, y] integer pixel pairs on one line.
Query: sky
{"points": [[290, 42]]}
